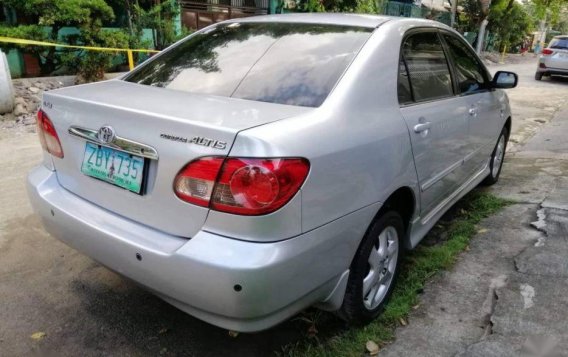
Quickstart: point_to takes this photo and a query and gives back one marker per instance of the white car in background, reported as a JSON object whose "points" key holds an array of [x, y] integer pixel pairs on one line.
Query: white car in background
{"points": [[553, 59]]}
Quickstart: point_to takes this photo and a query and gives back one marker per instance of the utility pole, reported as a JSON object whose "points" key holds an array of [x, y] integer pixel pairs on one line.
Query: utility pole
{"points": [[543, 27], [485, 5], [453, 13], [481, 36]]}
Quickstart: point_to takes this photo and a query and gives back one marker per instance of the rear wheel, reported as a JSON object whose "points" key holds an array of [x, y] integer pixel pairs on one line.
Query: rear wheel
{"points": [[497, 158], [374, 270], [538, 76]]}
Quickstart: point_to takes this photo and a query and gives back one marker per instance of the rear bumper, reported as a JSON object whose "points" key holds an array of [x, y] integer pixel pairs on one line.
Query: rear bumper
{"points": [[200, 275], [550, 69]]}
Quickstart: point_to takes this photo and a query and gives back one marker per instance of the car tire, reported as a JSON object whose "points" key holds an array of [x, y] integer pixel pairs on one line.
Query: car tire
{"points": [[538, 76], [374, 270], [497, 158]]}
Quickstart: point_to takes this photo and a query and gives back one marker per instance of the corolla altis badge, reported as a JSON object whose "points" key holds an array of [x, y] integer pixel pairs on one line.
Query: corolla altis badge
{"points": [[106, 134], [198, 140]]}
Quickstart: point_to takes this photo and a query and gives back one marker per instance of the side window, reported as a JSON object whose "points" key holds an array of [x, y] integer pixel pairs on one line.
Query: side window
{"points": [[469, 71], [427, 66], [404, 93]]}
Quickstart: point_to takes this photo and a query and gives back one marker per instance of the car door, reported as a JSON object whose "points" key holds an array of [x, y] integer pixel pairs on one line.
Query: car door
{"points": [[483, 106], [434, 116]]}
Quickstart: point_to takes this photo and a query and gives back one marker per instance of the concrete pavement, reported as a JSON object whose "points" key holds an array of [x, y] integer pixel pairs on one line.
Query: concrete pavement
{"points": [[508, 295], [533, 102]]}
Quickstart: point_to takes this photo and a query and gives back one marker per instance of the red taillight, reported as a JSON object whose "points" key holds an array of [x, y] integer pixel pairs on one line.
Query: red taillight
{"points": [[547, 51], [239, 185], [48, 136], [195, 182]]}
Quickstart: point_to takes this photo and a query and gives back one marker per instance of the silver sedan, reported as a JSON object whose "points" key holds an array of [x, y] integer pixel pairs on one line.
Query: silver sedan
{"points": [[267, 164]]}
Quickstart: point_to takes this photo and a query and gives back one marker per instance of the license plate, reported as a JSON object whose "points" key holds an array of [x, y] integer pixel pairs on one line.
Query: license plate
{"points": [[113, 166]]}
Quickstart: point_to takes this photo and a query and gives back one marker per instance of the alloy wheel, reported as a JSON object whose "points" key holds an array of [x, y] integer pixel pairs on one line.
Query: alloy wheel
{"points": [[382, 265], [498, 156]]}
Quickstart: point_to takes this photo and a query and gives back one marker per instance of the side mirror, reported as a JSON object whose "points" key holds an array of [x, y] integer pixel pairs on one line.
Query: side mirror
{"points": [[504, 80]]}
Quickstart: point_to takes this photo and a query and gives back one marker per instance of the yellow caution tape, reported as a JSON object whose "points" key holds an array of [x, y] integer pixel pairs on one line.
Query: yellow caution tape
{"points": [[21, 41]]}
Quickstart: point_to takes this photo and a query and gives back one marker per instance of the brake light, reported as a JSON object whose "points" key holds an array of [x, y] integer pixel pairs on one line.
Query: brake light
{"points": [[547, 51], [195, 182], [241, 185], [48, 136]]}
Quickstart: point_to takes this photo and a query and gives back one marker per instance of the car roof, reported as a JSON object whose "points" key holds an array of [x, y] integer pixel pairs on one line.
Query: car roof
{"points": [[361, 20]]}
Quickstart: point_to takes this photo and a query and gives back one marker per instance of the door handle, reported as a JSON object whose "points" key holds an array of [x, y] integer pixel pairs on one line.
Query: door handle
{"points": [[418, 128]]}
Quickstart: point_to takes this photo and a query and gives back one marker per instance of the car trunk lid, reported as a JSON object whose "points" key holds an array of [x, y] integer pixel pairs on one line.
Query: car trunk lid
{"points": [[179, 126]]}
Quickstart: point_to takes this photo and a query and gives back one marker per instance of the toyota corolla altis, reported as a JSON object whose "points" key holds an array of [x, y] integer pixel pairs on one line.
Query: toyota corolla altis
{"points": [[268, 164]]}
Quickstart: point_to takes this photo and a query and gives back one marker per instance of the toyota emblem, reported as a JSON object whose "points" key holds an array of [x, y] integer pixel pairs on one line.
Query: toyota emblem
{"points": [[106, 134]]}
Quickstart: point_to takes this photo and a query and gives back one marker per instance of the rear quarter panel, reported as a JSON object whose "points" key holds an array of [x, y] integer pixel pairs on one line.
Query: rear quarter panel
{"points": [[357, 142]]}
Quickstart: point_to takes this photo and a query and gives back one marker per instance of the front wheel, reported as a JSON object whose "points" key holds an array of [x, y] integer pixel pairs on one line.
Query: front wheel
{"points": [[374, 270], [497, 158]]}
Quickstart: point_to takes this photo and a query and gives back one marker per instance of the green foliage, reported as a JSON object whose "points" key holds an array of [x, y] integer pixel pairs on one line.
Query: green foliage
{"points": [[418, 267], [183, 33], [29, 32], [510, 21], [91, 65], [367, 7], [87, 15], [160, 18], [549, 9], [312, 6], [562, 23], [63, 12]]}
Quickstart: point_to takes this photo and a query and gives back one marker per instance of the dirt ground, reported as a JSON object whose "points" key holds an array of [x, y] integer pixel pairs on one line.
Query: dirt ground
{"points": [[55, 301]]}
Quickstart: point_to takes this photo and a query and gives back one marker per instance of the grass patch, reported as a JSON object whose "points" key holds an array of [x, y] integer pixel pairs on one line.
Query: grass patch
{"points": [[457, 227]]}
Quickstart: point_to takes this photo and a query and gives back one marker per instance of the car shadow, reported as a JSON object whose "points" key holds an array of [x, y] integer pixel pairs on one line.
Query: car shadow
{"points": [[556, 79], [115, 316], [126, 315]]}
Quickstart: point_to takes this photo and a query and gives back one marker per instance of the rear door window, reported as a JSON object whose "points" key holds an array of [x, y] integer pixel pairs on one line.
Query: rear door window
{"points": [[469, 71], [427, 65], [286, 63]]}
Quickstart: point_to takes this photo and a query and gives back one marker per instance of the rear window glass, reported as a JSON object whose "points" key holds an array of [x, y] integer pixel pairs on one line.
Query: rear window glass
{"points": [[285, 63], [559, 43]]}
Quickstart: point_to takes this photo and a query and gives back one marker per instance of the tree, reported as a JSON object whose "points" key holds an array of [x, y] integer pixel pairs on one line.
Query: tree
{"points": [[548, 13], [510, 21], [48, 17], [158, 15]]}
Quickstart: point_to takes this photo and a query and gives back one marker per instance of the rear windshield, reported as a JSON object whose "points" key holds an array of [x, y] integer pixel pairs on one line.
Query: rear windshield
{"points": [[285, 63], [559, 43]]}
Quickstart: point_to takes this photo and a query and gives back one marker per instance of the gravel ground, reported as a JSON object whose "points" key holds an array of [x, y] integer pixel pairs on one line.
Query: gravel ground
{"points": [[27, 100]]}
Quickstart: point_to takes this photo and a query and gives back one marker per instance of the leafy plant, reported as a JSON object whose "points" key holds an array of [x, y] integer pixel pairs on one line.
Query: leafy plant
{"points": [[510, 22], [49, 17], [160, 18], [91, 65]]}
